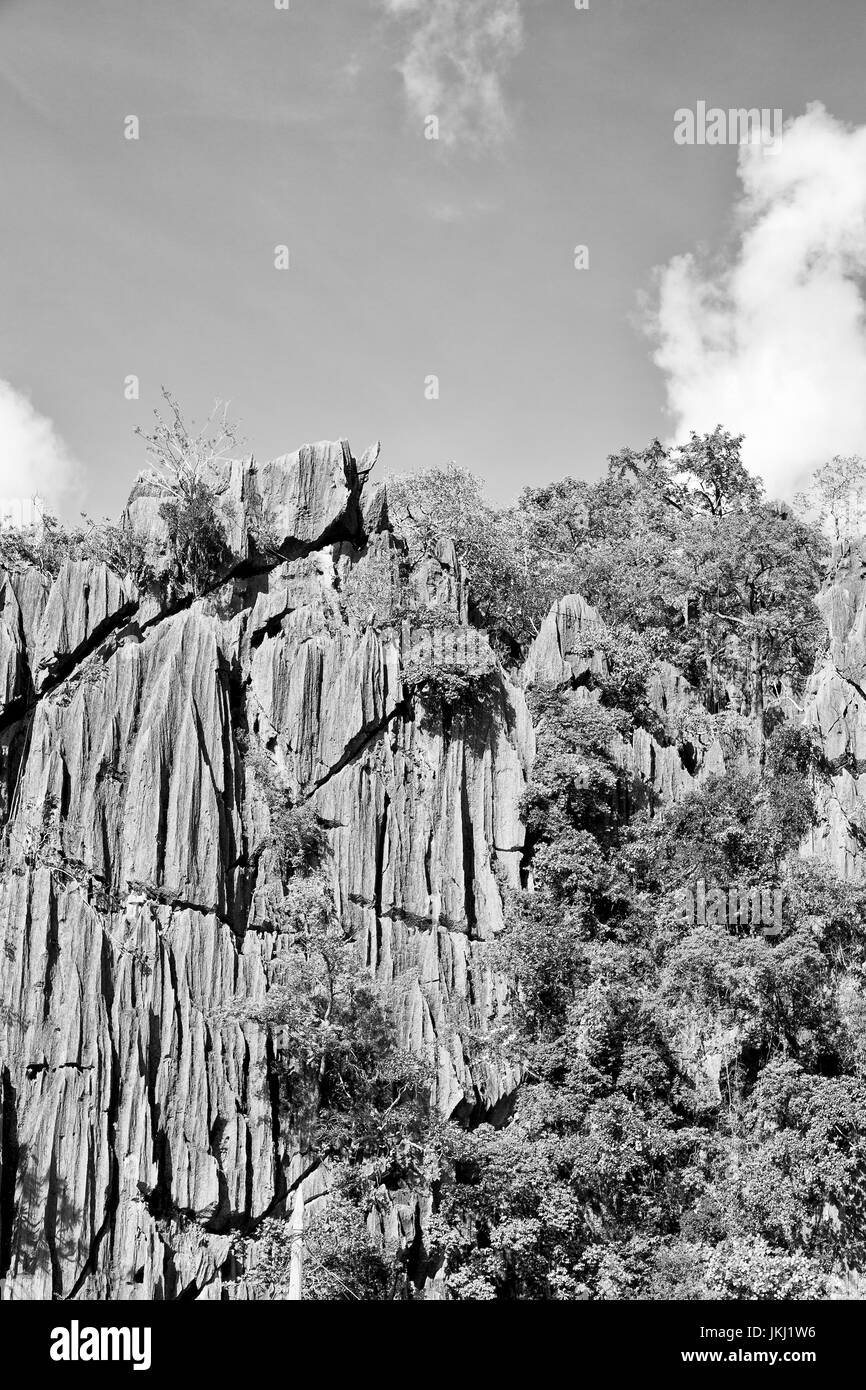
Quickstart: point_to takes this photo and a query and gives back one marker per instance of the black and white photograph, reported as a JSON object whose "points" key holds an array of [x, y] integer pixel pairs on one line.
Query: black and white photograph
{"points": [[432, 675]]}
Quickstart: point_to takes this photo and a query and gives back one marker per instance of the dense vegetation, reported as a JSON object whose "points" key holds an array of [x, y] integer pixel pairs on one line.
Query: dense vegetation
{"points": [[623, 1173], [677, 546], [692, 1117]]}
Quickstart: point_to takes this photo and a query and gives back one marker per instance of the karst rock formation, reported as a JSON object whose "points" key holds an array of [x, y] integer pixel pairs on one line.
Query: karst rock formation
{"points": [[139, 1125]]}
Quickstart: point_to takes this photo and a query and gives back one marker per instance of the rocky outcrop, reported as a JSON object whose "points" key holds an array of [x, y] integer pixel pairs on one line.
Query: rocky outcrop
{"points": [[566, 650], [298, 503], [23, 596], [659, 766], [84, 602], [834, 708], [138, 1127]]}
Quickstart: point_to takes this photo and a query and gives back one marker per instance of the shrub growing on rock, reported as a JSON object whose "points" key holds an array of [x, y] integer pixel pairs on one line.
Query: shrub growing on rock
{"points": [[449, 668], [374, 590], [186, 466], [47, 546]]}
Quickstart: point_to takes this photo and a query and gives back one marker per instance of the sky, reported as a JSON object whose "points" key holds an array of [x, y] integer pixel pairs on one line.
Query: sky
{"points": [[723, 284]]}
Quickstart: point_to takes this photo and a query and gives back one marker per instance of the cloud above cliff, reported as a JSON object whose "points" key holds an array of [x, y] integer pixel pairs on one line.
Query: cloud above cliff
{"points": [[458, 54], [33, 457], [769, 339]]}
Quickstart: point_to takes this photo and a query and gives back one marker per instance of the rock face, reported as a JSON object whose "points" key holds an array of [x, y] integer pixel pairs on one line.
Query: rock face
{"points": [[85, 601], [138, 1127], [22, 602], [301, 500], [834, 708]]}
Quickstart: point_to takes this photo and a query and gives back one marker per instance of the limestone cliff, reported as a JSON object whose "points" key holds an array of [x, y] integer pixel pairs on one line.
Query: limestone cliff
{"points": [[834, 708], [139, 1122], [139, 1127]]}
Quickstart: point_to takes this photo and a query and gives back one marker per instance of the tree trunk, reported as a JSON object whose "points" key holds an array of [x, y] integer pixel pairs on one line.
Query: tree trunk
{"points": [[296, 1266], [711, 674], [757, 685]]}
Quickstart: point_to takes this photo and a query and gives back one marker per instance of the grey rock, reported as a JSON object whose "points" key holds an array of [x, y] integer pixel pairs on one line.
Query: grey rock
{"points": [[85, 600], [834, 708], [139, 1127]]}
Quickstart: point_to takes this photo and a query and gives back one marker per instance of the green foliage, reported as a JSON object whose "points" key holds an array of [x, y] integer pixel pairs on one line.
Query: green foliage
{"points": [[196, 516], [448, 504], [186, 468], [736, 827], [297, 835], [340, 1261], [680, 542], [691, 1121], [374, 590], [575, 776], [346, 1084], [449, 676], [749, 1268], [262, 530], [672, 1268], [625, 1170], [46, 547], [336, 1049], [836, 498], [677, 546], [629, 659], [198, 536]]}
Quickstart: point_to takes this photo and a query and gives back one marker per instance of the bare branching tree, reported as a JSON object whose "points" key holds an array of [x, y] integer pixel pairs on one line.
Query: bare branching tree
{"points": [[182, 459], [836, 498], [186, 467]]}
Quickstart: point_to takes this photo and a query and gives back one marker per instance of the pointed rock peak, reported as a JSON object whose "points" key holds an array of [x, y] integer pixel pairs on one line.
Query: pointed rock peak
{"points": [[374, 509], [562, 651], [370, 458]]}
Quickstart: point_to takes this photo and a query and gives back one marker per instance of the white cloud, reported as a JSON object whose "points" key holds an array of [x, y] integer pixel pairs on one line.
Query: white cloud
{"points": [[453, 211], [459, 52], [770, 341], [33, 457]]}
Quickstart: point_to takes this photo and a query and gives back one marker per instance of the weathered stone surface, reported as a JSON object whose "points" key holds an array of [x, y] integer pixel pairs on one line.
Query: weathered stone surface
{"points": [[138, 1126], [563, 651], [422, 820], [834, 707], [131, 767], [23, 596], [374, 509], [85, 600], [439, 581], [370, 458], [310, 497], [303, 500]]}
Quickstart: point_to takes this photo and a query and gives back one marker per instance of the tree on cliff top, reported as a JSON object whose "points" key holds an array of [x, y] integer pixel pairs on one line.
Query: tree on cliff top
{"points": [[836, 498], [186, 468], [514, 575], [181, 457]]}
